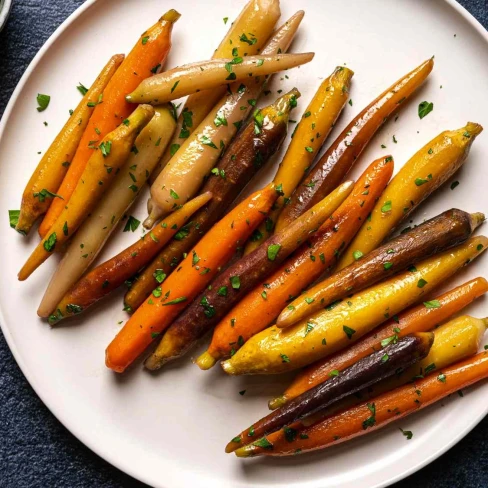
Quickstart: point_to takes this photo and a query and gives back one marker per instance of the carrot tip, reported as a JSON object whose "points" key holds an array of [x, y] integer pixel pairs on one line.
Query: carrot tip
{"points": [[205, 361], [228, 367], [277, 402], [171, 16], [246, 451], [153, 362]]}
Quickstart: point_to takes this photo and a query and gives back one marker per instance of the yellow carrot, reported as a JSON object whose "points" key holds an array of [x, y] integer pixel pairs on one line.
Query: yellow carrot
{"points": [[309, 136]]}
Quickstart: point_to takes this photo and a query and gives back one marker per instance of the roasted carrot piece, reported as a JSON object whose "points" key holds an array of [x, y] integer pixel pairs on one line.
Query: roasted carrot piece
{"points": [[254, 313], [244, 157], [415, 319], [246, 36], [333, 329], [373, 414], [344, 151], [215, 302], [421, 175], [112, 109], [100, 171], [109, 275], [446, 230], [368, 371], [308, 137], [52, 168], [194, 273]]}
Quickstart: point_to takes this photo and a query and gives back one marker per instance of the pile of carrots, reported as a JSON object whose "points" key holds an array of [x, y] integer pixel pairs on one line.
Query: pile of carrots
{"points": [[304, 274]]}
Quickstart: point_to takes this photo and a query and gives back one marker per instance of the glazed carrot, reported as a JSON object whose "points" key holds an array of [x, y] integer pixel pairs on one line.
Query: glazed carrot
{"points": [[99, 173], [446, 230], [206, 75], [337, 327], [47, 177], [308, 137], [246, 154], [246, 36], [373, 414], [184, 173], [400, 355], [215, 302], [416, 319], [97, 228], [454, 341], [422, 174], [254, 313], [344, 151], [109, 275], [194, 273], [112, 109]]}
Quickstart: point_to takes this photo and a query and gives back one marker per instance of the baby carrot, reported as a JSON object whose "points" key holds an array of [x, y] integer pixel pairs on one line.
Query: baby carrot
{"points": [[256, 310], [280, 350], [403, 354], [246, 36], [209, 75], [421, 175], [52, 168], [335, 163], [109, 275], [100, 171], [415, 319], [446, 230], [216, 301], [308, 137], [193, 274], [371, 415], [112, 108]]}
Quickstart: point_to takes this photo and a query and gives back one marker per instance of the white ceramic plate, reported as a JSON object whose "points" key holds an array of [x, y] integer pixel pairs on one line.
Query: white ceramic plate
{"points": [[169, 430]]}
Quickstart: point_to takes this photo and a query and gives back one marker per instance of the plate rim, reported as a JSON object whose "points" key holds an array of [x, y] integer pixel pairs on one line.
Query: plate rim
{"points": [[52, 406]]}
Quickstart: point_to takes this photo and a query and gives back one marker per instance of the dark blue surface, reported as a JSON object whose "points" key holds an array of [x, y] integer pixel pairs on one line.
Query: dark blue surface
{"points": [[35, 449]]}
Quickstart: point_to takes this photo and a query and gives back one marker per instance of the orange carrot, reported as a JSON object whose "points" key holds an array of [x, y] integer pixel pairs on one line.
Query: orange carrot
{"points": [[415, 319], [189, 279], [371, 415], [111, 109], [261, 306]]}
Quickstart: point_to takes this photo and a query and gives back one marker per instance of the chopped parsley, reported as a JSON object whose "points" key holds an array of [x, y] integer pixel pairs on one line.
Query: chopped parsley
{"points": [[42, 101], [273, 250], [132, 224], [425, 108]]}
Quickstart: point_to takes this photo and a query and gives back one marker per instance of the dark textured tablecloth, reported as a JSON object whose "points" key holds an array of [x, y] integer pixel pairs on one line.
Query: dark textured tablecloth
{"points": [[35, 449]]}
